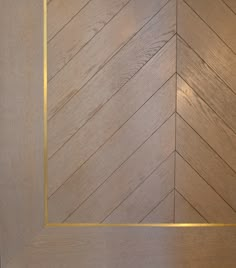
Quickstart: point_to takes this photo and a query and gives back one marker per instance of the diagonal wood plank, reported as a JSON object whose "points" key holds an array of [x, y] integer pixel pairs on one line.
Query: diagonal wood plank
{"points": [[111, 117], [129, 176], [231, 4], [205, 161], [105, 161], [163, 212], [219, 17], [111, 78], [207, 44], [59, 13], [99, 51], [185, 212], [206, 84], [80, 31], [201, 195], [206, 123], [146, 196]]}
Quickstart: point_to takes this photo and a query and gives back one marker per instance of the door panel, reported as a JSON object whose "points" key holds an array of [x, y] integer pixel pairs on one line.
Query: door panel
{"points": [[147, 118], [127, 94]]}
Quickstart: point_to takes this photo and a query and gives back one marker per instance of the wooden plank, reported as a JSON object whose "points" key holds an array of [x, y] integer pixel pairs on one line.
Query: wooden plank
{"points": [[117, 150], [185, 212], [206, 123], [207, 44], [147, 196], [21, 124], [61, 12], [139, 247], [132, 184], [111, 78], [205, 161], [231, 4], [80, 31], [99, 51], [206, 84], [201, 195], [163, 213], [113, 115], [219, 17]]}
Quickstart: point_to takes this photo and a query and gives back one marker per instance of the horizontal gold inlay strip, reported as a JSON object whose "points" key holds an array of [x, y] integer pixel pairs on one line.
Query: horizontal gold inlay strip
{"points": [[140, 225]]}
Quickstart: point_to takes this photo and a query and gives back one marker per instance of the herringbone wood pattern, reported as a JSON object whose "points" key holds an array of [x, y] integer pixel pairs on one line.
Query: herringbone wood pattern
{"points": [[142, 111]]}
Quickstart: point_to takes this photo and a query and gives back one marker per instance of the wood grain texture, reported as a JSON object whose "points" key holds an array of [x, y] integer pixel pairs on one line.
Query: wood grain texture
{"points": [[147, 196], [21, 123], [206, 162], [231, 4], [112, 116], [207, 44], [111, 78], [60, 13], [142, 169], [219, 17], [206, 123], [139, 247], [22, 184], [80, 31], [185, 212], [206, 84], [206, 102], [98, 52], [163, 212], [117, 150], [201, 195]]}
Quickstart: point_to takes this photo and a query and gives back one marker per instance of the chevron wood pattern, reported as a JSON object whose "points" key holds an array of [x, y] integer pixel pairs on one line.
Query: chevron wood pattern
{"points": [[142, 111]]}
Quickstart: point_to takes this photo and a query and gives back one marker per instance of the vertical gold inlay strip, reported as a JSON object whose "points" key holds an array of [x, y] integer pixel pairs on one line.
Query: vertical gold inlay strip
{"points": [[45, 111]]}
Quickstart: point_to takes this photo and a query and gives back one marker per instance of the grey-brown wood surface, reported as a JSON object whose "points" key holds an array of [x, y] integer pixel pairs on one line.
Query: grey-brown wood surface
{"points": [[231, 4], [130, 247], [21, 125], [114, 82], [166, 150]]}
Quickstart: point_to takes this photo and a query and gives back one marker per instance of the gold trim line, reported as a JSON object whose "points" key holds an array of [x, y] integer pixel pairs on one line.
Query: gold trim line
{"points": [[140, 225], [45, 111]]}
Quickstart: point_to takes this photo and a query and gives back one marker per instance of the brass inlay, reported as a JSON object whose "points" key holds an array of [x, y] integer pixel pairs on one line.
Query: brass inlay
{"points": [[45, 82]]}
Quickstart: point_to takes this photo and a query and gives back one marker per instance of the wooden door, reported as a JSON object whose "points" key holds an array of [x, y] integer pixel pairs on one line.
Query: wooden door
{"points": [[127, 158]]}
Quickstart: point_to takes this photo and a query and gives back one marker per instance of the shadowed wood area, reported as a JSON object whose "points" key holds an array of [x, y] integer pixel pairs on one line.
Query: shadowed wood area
{"points": [[141, 120]]}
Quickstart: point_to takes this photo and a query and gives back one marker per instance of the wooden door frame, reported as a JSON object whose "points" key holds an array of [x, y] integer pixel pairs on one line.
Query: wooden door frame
{"points": [[27, 238]]}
